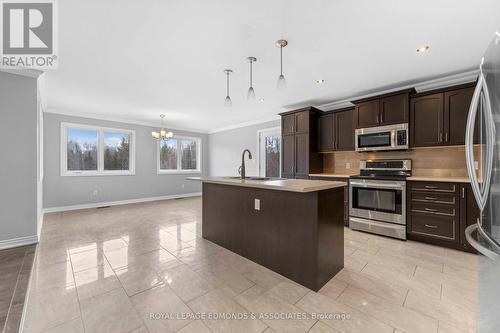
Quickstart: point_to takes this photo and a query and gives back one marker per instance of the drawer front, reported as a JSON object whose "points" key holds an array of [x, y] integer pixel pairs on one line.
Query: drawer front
{"points": [[438, 198], [441, 227], [432, 209], [434, 187]]}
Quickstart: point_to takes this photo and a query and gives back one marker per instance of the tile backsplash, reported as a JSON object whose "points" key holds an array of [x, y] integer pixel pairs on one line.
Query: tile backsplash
{"points": [[430, 161]]}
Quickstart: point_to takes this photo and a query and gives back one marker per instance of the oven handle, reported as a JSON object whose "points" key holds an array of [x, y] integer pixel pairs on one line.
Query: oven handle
{"points": [[378, 185]]}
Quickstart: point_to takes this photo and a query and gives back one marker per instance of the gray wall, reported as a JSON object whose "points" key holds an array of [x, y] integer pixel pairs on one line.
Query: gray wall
{"points": [[18, 166], [225, 148], [72, 190]]}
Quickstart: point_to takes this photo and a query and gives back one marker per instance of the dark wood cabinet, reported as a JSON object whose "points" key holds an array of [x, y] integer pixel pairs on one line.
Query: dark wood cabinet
{"points": [[427, 120], [440, 118], [336, 131], [470, 213], [326, 133], [456, 111], [394, 109], [344, 127], [299, 143], [439, 212], [367, 114], [388, 109], [288, 156]]}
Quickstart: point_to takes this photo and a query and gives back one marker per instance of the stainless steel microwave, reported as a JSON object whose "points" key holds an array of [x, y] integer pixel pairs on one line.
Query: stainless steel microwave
{"points": [[390, 137]]}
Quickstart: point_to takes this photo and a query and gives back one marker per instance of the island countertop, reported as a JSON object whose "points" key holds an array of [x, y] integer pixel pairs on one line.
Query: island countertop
{"points": [[279, 184]]}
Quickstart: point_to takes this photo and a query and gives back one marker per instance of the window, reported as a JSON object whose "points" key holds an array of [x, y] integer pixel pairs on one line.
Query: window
{"points": [[179, 155], [94, 151]]}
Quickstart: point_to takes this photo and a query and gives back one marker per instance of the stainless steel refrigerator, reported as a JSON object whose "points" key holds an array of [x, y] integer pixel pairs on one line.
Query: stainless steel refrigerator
{"points": [[483, 165]]}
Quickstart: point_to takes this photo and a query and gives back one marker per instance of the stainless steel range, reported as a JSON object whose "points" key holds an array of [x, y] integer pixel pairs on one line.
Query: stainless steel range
{"points": [[378, 197]]}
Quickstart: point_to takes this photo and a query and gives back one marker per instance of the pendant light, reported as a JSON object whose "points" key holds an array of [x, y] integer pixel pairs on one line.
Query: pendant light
{"points": [[228, 102], [163, 134], [251, 91], [281, 79]]}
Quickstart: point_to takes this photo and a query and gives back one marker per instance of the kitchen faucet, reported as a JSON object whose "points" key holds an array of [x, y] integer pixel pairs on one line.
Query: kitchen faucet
{"points": [[242, 167]]}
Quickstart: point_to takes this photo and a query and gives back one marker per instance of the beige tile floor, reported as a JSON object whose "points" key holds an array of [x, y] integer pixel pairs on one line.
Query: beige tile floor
{"points": [[145, 268]]}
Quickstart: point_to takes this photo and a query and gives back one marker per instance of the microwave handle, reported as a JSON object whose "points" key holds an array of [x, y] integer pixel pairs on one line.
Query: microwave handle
{"points": [[393, 138]]}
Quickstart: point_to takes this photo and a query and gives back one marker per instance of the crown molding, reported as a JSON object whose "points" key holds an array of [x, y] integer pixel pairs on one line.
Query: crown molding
{"points": [[244, 124], [420, 86], [121, 120], [31, 73]]}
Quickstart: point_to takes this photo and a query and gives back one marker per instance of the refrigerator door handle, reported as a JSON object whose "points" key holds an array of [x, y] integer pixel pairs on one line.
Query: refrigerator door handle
{"points": [[475, 244], [480, 91]]}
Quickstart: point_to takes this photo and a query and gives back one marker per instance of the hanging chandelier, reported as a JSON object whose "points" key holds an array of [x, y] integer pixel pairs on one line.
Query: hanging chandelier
{"points": [[227, 101], [251, 91], [163, 134], [281, 84]]}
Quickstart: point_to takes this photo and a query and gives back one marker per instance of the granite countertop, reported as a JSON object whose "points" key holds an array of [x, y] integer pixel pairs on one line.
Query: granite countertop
{"points": [[444, 179], [279, 184], [332, 175]]}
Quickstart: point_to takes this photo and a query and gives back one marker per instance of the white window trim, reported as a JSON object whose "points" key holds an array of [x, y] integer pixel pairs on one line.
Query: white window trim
{"points": [[100, 151], [178, 171]]}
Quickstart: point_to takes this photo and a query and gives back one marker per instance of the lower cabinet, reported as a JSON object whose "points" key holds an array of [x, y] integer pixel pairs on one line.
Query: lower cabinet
{"points": [[346, 194], [438, 213]]}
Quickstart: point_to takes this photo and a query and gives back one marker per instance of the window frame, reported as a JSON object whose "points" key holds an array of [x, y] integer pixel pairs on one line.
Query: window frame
{"points": [[100, 151], [179, 170]]}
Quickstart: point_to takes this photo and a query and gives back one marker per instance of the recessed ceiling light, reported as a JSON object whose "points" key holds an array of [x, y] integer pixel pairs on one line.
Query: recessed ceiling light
{"points": [[320, 81], [261, 100], [423, 48]]}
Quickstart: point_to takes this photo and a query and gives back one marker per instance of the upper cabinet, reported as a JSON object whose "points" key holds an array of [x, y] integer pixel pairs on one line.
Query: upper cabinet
{"points": [[382, 110], [336, 131], [440, 118], [299, 143]]}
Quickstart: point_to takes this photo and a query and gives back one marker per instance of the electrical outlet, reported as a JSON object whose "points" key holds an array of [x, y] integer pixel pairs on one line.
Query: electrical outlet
{"points": [[476, 165], [257, 204], [348, 165], [96, 192]]}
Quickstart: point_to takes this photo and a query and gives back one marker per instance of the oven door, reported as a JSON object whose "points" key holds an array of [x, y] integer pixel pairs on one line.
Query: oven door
{"points": [[381, 200]]}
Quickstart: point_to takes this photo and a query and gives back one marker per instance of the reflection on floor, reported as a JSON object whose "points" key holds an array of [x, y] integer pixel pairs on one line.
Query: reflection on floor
{"points": [[15, 268], [145, 267]]}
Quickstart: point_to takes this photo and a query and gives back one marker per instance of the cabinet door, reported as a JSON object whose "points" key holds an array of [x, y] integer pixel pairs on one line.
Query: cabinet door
{"points": [[427, 120], [288, 156], [326, 135], [302, 122], [288, 124], [367, 114], [301, 155], [344, 130], [470, 213], [394, 109], [456, 110]]}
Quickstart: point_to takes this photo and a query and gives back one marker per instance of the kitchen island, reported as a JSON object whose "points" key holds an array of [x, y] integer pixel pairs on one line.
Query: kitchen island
{"points": [[291, 226]]}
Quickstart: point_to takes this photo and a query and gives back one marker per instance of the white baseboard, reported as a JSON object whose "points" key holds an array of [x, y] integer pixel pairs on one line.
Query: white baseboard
{"points": [[21, 241], [119, 202]]}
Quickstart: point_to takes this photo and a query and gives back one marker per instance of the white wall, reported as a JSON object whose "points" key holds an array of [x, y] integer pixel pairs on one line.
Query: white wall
{"points": [[18, 165], [62, 191], [225, 148]]}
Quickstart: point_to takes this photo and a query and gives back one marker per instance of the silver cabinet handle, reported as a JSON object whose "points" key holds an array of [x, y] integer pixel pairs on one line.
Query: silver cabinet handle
{"points": [[431, 226], [430, 209], [430, 198], [475, 244], [446, 137], [463, 192], [441, 137], [431, 187]]}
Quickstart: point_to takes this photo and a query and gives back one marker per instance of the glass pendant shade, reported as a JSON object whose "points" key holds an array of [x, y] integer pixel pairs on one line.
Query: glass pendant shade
{"points": [[155, 135], [251, 94], [281, 84], [163, 134], [228, 103]]}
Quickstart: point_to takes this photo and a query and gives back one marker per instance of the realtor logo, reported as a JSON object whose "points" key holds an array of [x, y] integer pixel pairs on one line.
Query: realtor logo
{"points": [[28, 34]]}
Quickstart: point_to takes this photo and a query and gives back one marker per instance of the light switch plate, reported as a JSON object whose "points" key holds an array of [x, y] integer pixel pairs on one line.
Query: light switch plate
{"points": [[257, 204], [348, 165], [476, 165]]}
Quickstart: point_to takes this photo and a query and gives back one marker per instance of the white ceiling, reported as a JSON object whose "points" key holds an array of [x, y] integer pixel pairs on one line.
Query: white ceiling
{"points": [[136, 59]]}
